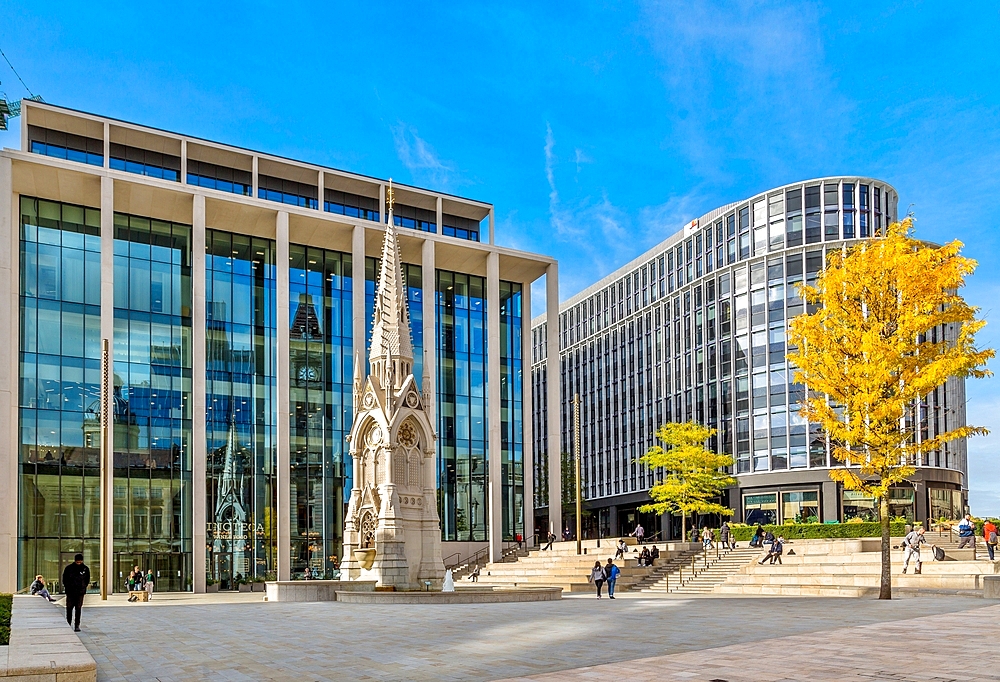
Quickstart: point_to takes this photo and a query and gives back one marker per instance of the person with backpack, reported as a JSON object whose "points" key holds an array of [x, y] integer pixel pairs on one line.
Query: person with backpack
{"points": [[911, 549], [967, 533], [597, 577], [612, 572], [758, 535], [724, 535], [990, 537]]}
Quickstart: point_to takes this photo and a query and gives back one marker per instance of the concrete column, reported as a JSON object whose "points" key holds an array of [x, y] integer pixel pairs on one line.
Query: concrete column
{"points": [[439, 216], [107, 142], [493, 444], [382, 212], [527, 434], [320, 190], [358, 289], [492, 232], [553, 397], [428, 268], [108, 332], [184, 162], [831, 501], [283, 408], [253, 176], [9, 312], [199, 437]]}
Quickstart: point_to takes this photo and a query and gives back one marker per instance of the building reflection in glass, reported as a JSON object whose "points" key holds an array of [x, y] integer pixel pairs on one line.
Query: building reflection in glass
{"points": [[152, 393], [321, 367], [60, 331], [240, 407], [461, 356]]}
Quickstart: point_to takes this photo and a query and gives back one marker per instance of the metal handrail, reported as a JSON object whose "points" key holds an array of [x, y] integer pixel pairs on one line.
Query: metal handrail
{"points": [[454, 565]]}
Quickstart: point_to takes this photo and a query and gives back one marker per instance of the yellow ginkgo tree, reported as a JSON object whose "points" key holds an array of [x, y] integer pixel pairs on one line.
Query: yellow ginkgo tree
{"points": [[889, 326], [691, 475]]}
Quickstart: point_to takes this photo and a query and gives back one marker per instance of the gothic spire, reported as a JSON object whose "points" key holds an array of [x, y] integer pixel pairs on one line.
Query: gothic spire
{"points": [[391, 352]]}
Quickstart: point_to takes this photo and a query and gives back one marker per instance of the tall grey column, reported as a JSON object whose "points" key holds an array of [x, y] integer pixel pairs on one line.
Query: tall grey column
{"points": [[9, 312], [831, 501], [553, 391], [108, 332], [527, 433], [493, 452], [284, 407], [199, 438], [439, 215]]}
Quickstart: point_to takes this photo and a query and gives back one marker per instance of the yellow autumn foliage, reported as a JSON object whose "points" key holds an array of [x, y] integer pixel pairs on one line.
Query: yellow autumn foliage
{"points": [[889, 326], [869, 352]]}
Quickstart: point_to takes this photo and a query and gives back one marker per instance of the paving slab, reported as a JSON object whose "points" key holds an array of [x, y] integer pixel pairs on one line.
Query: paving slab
{"points": [[212, 639], [922, 649]]}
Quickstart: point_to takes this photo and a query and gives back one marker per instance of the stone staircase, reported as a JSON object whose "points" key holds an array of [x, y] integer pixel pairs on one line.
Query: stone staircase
{"points": [[703, 575], [852, 568], [563, 567]]}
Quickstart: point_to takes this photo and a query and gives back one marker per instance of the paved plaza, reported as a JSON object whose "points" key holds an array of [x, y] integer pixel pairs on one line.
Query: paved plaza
{"points": [[238, 637]]}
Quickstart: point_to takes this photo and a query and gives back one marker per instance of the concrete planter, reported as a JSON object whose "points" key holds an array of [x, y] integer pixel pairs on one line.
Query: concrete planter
{"points": [[246, 587], [212, 588]]}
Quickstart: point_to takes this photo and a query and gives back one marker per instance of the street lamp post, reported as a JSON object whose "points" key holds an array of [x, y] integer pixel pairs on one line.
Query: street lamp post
{"points": [[576, 446]]}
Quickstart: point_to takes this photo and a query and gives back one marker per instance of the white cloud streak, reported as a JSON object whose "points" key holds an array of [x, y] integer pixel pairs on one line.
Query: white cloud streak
{"points": [[420, 158]]}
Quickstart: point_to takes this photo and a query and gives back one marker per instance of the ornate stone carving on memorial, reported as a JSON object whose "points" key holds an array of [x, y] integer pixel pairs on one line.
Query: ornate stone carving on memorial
{"points": [[392, 533]]}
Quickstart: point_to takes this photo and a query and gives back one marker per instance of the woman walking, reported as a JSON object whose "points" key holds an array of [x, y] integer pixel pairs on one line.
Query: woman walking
{"points": [[597, 577]]}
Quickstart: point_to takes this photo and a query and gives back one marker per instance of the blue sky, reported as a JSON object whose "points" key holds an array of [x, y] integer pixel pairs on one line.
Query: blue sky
{"points": [[596, 129]]}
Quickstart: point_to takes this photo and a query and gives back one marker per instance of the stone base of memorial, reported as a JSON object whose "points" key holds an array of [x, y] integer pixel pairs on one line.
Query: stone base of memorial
{"points": [[313, 590], [462, 595]]}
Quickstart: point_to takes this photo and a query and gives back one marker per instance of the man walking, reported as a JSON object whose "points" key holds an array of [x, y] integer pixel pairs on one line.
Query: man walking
{"points": [[612, 572], [75, 578], [967, 533], [911, 549], [639, 533], [552, 538]]}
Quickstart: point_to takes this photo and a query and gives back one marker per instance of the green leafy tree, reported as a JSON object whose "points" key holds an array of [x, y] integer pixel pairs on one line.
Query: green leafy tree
{"points": [[691, 475]]}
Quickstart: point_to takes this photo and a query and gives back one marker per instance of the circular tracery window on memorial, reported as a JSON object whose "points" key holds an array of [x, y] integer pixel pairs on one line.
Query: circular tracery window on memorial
{"points": [[407, 435], [368, 531]]}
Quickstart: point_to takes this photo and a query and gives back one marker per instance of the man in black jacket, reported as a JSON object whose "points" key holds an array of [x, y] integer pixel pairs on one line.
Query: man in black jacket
{"points": [[76, 579]]}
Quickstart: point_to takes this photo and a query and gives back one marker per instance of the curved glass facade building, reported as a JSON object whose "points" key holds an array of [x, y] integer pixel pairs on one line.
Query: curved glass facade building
{"points": [[695, 329]]}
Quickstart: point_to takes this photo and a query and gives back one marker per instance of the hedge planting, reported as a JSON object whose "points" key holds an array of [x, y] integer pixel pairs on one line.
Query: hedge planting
{"points": [[809, 531], [6, 603]]}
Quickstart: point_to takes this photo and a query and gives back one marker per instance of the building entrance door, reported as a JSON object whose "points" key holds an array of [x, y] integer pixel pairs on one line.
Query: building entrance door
{"points": [[124, 563], [170, 570], [223, 570]]}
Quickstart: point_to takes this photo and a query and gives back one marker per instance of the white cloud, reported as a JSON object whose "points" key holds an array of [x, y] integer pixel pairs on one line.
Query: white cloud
{"points": [[601, 235], [746, 81], [420, 158]]}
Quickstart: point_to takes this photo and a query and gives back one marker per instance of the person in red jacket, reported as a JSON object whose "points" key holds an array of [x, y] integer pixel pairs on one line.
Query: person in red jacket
{"points": [[990, 536]]}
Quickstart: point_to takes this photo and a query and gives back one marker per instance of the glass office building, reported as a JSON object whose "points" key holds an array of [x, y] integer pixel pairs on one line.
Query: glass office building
{"points": [[695, 329], [233, 289]]}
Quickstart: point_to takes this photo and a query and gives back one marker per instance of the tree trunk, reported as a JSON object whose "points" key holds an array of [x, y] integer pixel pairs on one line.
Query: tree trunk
{"points": [[885, 586], [684, 527]]}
